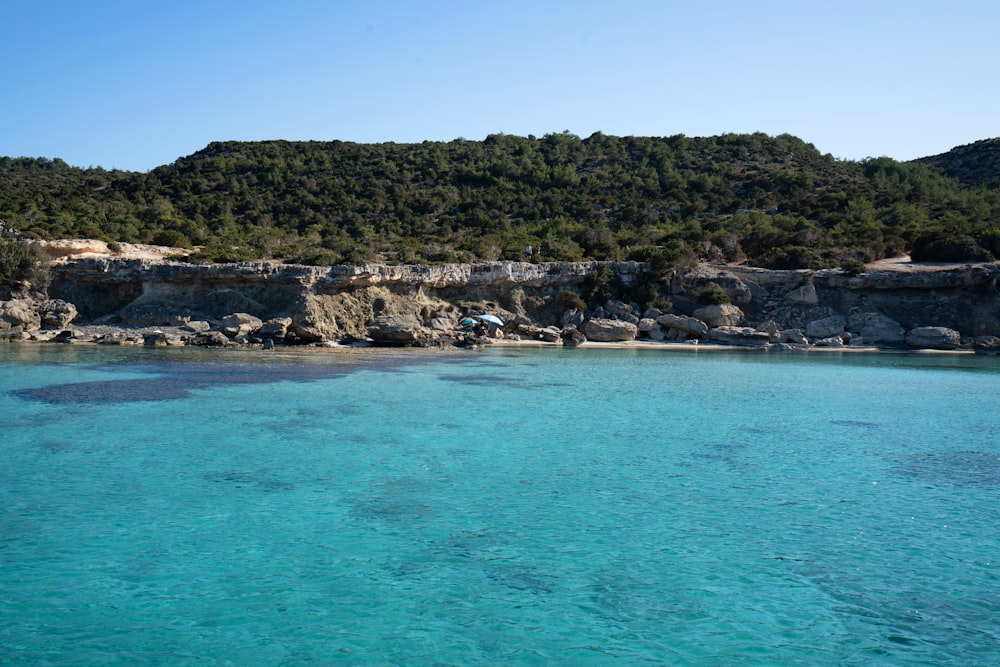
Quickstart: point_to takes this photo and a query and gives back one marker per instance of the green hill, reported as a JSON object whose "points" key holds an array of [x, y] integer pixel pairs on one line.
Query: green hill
{"points": [[768, 201]]}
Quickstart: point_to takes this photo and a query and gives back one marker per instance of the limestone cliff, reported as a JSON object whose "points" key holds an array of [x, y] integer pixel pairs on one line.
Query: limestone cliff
{"points": [[329, 303], [323, 302]]}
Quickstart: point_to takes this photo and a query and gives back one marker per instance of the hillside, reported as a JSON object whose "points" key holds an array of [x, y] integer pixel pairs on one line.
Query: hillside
{"points": [[973, 164], [767, 201]]}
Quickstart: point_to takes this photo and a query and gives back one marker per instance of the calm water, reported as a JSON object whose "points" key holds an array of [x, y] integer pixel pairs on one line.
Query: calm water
{"points": [[573, 507]]}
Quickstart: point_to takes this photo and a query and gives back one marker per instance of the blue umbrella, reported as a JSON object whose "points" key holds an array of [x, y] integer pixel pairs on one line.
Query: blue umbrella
{"points": [[467, 322]]}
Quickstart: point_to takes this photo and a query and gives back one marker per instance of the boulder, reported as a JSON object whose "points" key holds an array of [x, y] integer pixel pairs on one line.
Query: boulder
{"points": [[397, 330], [832, 325], [56, 313], [719, 315], [689, 325], [647, 324], [552, 334], [572, 317], [573, 337], [657, 334], [240, 324], [876, 328], [114, 338], [197, 326], [771, 329], [933, 338], [832, 341], [155, 339], [607, 331], [211, 339], [619, 310], [794, 336], [71, 336], [739, 336], [19, 315], [988, 345], [276, 327]]}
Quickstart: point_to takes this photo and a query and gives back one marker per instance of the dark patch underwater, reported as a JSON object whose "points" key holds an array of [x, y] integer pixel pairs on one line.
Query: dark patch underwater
{"points": [[964, 468], [171, 380]]}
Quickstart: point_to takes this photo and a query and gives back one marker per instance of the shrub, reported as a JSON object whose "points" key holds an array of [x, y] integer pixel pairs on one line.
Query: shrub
{"points": [[171, 238], [20, 261], [713, 295], [570, 299], [948, 247]]}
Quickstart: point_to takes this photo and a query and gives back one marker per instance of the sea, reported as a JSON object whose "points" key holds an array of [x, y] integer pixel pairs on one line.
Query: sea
{"points": [[503, 506]]}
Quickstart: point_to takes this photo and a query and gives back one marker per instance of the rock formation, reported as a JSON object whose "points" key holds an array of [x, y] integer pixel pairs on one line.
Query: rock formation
{"points": [[889, 305]]}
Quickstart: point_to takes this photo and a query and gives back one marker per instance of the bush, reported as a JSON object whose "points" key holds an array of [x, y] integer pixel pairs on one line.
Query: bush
{"points": [[570, 299], [171, 238], [20, 261], [948, 247], [713, 295]]}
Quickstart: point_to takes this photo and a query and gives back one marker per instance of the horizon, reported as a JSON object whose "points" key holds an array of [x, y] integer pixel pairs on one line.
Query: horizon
{"points": [[127, 86]]}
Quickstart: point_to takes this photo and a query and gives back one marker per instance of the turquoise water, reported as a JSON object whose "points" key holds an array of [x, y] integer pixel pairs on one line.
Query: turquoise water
{"points": [[526, 507]]}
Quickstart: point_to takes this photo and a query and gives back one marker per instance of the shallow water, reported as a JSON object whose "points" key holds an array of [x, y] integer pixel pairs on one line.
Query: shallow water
{"points": [[500, 507]]}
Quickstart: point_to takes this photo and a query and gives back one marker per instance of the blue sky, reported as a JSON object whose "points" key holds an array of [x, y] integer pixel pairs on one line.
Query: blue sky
{"points": [[135, 84]]}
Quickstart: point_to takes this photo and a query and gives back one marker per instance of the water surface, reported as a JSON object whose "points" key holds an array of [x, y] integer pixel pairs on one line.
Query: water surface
{"points": [[577, 507]]}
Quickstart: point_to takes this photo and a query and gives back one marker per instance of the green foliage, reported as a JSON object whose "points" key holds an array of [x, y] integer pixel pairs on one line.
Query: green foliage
{"points": [[171, 238], [20, 261], [713, 294], [949, 247], [668, 201], [601, 285], [570, 299]]}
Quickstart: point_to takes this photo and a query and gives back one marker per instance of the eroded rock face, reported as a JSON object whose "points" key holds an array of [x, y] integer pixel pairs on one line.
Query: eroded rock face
{"points": [[316, 304]]}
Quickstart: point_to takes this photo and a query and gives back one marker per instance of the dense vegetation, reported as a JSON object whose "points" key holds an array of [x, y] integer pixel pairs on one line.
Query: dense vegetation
{"points": [[769, 201]]}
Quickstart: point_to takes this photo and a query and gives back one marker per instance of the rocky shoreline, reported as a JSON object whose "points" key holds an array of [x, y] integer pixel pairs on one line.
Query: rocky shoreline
{"points": [[158, 302]]}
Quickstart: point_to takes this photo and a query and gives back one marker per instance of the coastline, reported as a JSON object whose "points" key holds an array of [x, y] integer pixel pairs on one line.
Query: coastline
{"points": [[133, 337]]}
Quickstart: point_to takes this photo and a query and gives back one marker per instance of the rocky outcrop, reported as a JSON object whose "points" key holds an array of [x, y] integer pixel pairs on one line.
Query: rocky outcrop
{"points": [[19, 315], [250, 303], [32, 315]]}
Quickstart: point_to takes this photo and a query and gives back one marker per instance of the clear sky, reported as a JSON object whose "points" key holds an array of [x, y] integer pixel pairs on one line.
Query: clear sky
{"points": [[133, 84]]}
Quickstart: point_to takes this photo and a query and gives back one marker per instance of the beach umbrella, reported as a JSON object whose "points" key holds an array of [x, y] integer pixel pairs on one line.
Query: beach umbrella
{"points": [[492, 319], [467, 322]]}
